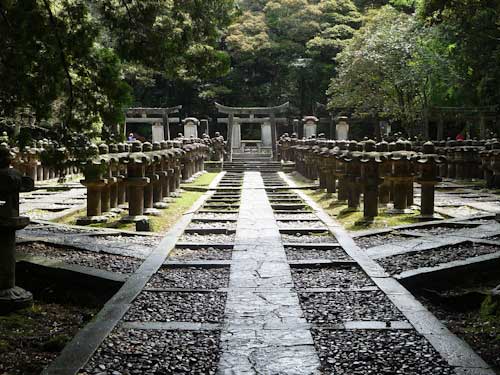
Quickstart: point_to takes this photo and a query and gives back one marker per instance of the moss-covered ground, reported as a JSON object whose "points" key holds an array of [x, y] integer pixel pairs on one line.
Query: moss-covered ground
{"points": [[353, 220], [159, 224], [32, 338]]}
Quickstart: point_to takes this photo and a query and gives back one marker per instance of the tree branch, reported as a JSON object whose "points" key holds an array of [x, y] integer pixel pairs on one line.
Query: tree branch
{"points": [[64, 62], [4, 17]]}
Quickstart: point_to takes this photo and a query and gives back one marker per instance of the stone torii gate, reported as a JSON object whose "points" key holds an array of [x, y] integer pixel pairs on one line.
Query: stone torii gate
{"points": [[158, 124], [233, 120]]}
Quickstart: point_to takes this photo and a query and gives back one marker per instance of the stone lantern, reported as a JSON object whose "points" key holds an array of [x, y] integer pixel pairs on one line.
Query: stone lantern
{"points": [[121, 175], [494, 156], [110, 180], [153, 178], [114, 173], [94, 181], [486, 163], [401, 177], [385, 173], [179, 155], [370, 177], [353, 175], [340, 171], [12, 183], [160, 170], [168, 171], [136, 182], [428, 179]]}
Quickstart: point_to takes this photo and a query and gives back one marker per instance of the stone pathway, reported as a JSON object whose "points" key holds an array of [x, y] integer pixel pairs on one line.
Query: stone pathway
{"points": [[53, 201], [257, 279], [265, 331]]}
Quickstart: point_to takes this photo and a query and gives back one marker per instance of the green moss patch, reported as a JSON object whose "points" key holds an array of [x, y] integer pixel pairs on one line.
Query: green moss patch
{"points": [[353, 219], [30, 339]]}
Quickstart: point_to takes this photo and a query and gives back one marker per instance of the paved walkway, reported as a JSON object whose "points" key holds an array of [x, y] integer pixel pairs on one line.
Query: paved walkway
{"points": [[265, 331]]}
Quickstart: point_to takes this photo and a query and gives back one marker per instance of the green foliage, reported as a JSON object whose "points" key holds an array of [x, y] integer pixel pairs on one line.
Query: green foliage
{"points": [[65, 60], [393, 68], [284, 50], [472, 31]]}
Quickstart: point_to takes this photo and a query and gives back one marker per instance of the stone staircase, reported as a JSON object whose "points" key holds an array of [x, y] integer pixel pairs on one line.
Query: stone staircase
{"points": [[249, 162]]}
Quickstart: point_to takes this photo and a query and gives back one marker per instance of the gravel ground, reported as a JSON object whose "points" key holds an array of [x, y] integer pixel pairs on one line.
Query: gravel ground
{"points": [[308, 238], [50, 229], [301, 224], [212, 215], [335, 253], [178, 307], [431, 258], [441, 230], [147, 241], [208, 253], [130, 352], [367, 242], [212, 225], [482, 335], [190, 277], [366, 352], [340, 277], [103, 261], [332, 308], [32, 338], [295, 216], [207, 238]]}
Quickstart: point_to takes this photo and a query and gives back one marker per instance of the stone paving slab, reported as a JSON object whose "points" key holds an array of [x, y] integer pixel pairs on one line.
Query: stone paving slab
{"points": [[260, 297]]}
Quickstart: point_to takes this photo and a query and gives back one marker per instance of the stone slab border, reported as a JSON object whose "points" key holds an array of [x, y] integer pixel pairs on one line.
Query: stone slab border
{"points": [[446, 273], [454, 350], [79, 350], [91, 231]]}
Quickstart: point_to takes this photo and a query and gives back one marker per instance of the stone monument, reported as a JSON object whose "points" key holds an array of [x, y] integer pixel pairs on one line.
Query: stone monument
{"points": [[12, 183], [342, 129], [191, 127], [310, 126]]}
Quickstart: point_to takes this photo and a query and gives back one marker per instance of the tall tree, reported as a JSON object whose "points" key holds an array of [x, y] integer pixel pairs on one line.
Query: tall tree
{"points": [[393, 68], [284, 51]]}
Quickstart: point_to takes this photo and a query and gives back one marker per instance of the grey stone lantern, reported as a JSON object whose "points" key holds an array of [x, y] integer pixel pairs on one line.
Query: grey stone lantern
{"points": [[12, 183]]}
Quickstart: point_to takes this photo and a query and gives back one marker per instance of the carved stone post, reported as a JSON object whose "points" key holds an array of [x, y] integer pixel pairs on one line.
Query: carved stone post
{"points": [[428, 179], [93, 172], [12, 183], [136, 181], [370, 177]]}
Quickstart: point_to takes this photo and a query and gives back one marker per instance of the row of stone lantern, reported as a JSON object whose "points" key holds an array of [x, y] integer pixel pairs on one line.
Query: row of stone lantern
{"points": [[465, 160], [380, 172], [138, 176], [30, 162]]}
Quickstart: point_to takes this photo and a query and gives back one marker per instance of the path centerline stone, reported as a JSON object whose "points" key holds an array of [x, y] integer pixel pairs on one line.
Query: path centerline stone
{"points": [[265, 331]]}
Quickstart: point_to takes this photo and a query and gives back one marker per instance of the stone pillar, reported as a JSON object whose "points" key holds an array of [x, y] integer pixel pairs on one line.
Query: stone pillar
{"points": [[266, 134], [12, 297]]}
